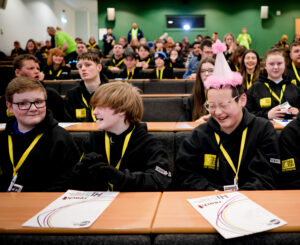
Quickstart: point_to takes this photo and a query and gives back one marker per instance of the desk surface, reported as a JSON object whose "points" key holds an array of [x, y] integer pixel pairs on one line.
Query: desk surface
{"points": [[129, 213], [176, 215]]}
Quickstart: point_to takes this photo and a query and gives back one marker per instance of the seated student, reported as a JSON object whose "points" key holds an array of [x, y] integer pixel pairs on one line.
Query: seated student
{"points": [[234, 150], [290, 155], [46, 49], [205, 51], [266, 97], [28, 65], [175, 61], [144, 59], [32, 48], [250, 68], [196, 53], [36, 154], [236, 58], [56, 68], [17, 49], [293, 69], [92, 44], [161, 71], [123, 156], [116, 62], [159, 45], [72, 58], [131, 71], [193, 106], [229, 40], [77, 100]]}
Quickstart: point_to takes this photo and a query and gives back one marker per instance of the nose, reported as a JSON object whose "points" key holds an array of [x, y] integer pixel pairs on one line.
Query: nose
{"points": [[32, 107]]}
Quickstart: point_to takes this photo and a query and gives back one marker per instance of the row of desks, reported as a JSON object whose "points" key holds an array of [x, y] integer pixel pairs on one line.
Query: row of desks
{"points": [[143, 212], [152, 126]]}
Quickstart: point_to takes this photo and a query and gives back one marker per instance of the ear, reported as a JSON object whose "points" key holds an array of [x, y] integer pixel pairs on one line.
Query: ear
{"points": [[17, 72], [243, 100], [9, 106], [99, 67]]}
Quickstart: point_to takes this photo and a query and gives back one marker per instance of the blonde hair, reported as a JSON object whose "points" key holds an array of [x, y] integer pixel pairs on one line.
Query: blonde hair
{"points": [[22, 84], [121, 97]]}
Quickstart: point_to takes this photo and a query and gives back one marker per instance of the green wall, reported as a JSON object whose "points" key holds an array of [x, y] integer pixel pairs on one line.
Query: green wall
{"points": [[220, 16]]}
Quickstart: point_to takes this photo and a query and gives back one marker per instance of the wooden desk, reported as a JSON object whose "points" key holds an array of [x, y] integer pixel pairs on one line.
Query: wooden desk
{"points": [[152, 127], [186, 126], [176, 215], [63, 80], [131, 212], [164, 95]]}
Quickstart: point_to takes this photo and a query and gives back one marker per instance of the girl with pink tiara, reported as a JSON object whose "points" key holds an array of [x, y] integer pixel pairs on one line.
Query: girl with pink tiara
{"points": [[234, 150]]}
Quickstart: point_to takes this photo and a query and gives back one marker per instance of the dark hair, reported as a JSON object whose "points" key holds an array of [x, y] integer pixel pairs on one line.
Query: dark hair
{"points": [[34, 43], [206, 43], [243, 69], [198, 94], [194, 43], [18, 61], [294, 44], [90, 55], [239, 51]]}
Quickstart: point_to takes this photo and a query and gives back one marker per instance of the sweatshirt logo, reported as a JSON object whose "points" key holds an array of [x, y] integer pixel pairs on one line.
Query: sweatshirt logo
{"points": [[210, 161], [288, 165], [265, 102]]}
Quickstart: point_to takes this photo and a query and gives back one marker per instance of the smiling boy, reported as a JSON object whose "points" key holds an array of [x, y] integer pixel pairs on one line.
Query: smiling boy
{"points": [[77, 100], [123, 156], [234, 150], [36, 154]]}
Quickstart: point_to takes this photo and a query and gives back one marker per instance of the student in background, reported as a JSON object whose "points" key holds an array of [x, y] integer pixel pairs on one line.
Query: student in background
{"points": [[77, 100], [161, 71], [122, 156], [267, 97], [46, 48], [290, 155], [196, 53], [31, 48], [116, 62], [230, 45], [131, 71], [134, 32], [205, 51], [144, 59], [108, 42], [193, 106], [17, 49], [72, 58], [28, 65], [236, 58], [234, 150], [36, 154], [175, 61], [250, 68], [92, 44], [293, 69], [159, 46], [56, 68]]}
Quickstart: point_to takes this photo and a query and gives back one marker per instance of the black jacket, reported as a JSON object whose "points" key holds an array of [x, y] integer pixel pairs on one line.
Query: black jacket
{"points": [[47, 166], [260, 162], [291, 74], [112, 62], [75, 108], [59, 74], [144, 164], [167, 73], [137, 74], [259, 92], [290, 155]]}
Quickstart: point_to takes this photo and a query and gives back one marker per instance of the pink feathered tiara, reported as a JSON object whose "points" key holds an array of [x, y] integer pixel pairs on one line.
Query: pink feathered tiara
{"points": [[223, 77]]}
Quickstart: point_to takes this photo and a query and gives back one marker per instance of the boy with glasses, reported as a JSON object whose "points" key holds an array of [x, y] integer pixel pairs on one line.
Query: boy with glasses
{"points": [[234, 150], [36, 154]]}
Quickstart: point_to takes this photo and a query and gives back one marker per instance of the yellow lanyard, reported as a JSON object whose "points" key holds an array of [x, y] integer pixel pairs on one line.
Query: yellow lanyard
{"points": [[251, 79], [159, 74], [120, 62], [87, 106], [228, 158], [275, 95], [236, 67], [295, 71], [58, 73], [107, 150], [128, 74], [91, 46], [25, 154]]}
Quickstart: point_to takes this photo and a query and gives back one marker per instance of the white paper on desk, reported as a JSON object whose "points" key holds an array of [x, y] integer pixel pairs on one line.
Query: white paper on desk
{"points": [[283, 122], [234, 214], [65, 125], [2, 125], [74, 209]]}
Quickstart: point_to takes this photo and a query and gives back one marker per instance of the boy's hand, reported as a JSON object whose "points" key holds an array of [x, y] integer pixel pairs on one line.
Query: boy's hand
{"points": [[113, 175], [294, 111], [276, 113]]}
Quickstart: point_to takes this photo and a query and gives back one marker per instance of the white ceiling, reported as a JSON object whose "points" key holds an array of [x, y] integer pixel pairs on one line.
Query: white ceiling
{"points": [[87, 5]]}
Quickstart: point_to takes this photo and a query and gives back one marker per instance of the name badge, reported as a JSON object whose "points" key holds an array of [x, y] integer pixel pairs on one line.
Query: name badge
{"points": [[265, 102], [81, 113], [231, 187], [13, 187]]}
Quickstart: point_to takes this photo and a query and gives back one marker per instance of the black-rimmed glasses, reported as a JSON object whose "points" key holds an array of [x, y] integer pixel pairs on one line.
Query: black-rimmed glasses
{"points": [[27, 105]]}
